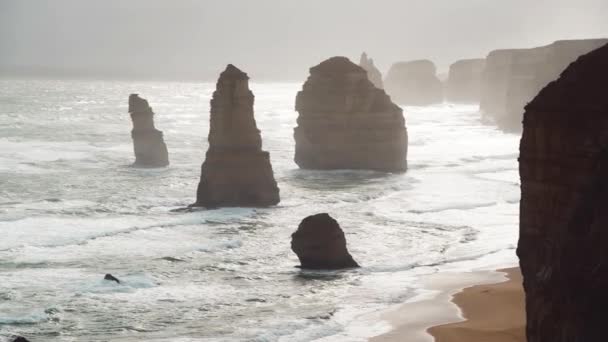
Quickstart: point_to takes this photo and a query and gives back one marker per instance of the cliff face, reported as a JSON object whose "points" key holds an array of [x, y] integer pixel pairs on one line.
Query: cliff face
{"points": [[319, 243], [236, 171], [345, 122], [148, 144], [414, 83], [511, 78], [374, 75], [464, 81], [563, 246]]}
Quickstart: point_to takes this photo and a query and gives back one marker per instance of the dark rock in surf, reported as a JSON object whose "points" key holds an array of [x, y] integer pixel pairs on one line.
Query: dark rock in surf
{"points": [[110, 277], [563, 244], [148, 143], [373, 74], [414, 83], [236, 172], [345, 122], [18, 339], [319, 243]]}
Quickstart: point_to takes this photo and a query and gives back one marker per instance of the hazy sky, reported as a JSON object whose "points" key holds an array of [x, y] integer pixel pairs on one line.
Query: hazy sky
{"points": [[276, 38]]}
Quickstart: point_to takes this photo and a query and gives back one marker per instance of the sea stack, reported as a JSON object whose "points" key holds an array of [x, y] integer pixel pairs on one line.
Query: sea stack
{"points": [[464, 81], [148, 144], [414, 83], [374, 75], [345, 122], [513, 77], [236, 172], [319, 243], [563, 244]]}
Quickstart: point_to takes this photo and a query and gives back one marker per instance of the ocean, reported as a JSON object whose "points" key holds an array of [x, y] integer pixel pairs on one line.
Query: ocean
{"points": [[73, 209]]}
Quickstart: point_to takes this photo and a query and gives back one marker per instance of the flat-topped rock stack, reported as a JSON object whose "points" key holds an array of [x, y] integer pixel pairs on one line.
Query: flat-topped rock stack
{"points": [[563, 245], [464, 81], [513, 77], [236, 171], [148, 143], [414, 83], [374, 75], [345, 122]]}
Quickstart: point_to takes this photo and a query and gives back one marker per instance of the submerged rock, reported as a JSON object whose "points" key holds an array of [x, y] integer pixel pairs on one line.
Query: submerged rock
{"points": [[513, 77], [563, 245], [414, 83], [111, 278], [374, 75], [148, 144], [236, 172], [464, 81], [18, 339], [319, 243], [345, 122]]}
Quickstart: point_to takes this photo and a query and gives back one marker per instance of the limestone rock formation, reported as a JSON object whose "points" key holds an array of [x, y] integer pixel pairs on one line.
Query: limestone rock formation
{"points": [[464, 81], [345, 122], [414, 83], [148, 144], [374, 75], [319, 243], [563, 245], [513, 77], [236, 172]]}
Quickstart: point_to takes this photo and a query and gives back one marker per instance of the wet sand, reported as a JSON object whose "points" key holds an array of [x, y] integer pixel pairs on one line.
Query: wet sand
{"points": [[490, 308]]}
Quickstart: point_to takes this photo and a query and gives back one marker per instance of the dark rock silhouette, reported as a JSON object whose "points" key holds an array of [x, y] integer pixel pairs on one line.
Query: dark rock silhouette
{"points": [[319, 243], [18, 339], [563, 245], [513, 77], [345, 122], [464, 81], [148, 143], [236, 172], [111, 278], [414, 83], [374, 75]]}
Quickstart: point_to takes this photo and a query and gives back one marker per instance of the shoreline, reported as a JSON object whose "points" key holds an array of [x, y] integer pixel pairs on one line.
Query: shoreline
{"points": [[473, 306]]}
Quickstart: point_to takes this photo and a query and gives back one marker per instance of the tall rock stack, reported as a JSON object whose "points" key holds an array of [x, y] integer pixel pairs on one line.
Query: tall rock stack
{"points": [[148, 144], [464, 81], [512, 77], [563, 245], [374, 75], [236, 172], [345, 122], [414, 83]]}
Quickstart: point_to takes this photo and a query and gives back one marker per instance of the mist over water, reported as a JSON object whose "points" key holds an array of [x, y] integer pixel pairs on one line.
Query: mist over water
{"points": [[72, 209]]}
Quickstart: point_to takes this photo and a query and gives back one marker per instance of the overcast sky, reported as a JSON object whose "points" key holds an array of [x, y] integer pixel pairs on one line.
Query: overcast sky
{"points": [[276, 39]]}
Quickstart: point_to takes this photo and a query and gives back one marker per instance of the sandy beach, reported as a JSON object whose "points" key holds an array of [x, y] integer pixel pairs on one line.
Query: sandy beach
{"points": [[493, 312], [490, 308]]}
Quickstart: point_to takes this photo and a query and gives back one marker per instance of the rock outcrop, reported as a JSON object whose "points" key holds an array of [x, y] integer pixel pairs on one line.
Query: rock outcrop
{"points": [[110, 277], [345, 122], [414, 83], [148, 144], [319, 243], [512, 78], [18, 339], [464, 81], [563, 244], [374, 75], [236, 172]]}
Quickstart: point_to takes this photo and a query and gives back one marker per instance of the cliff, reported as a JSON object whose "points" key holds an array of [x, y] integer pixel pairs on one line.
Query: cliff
{"points": [[563, 245]]}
